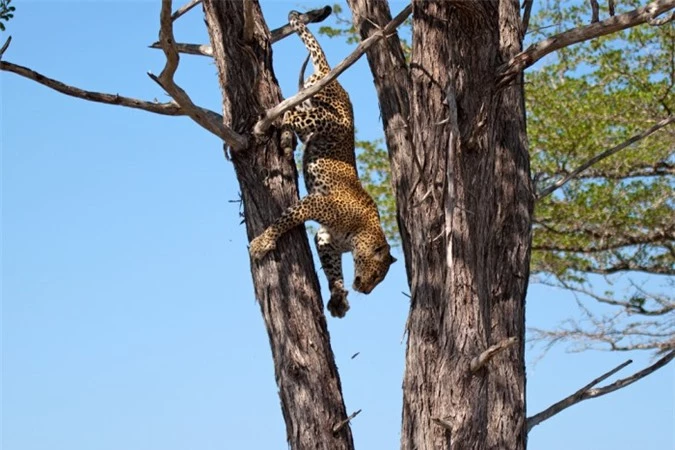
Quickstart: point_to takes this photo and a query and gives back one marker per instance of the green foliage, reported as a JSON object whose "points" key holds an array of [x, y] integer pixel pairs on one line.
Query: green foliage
{"points": [[6, 12], [619, 214]]}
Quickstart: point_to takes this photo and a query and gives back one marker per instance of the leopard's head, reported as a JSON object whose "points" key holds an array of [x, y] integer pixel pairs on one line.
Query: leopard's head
{"points": [[371, 265]]}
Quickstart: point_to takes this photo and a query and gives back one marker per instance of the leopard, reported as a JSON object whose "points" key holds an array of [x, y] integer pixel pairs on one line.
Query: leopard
{"points": [[348, 216]]}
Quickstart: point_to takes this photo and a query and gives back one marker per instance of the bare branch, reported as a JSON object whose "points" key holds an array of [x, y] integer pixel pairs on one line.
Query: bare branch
{"points": [[189, 49], [204, 117], [481, 360], [5, 45], [185, 8], [527, 10], [588, 392], [603, 155], [315, 15], [610, 6], [272, 114], [662, 21], [595, 8], [168, 109], [572, 399], [613, 24]]}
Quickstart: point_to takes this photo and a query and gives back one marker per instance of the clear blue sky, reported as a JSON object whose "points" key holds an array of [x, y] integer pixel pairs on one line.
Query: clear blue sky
{"points": [[128, 316]]}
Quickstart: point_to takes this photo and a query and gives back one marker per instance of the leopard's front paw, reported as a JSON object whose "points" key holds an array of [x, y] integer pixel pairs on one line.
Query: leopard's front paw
{"points": [[261, 246], [338, 304]]}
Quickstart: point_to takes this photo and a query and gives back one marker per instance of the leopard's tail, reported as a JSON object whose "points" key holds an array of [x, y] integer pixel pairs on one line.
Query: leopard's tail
{"points": [[318, 57]]}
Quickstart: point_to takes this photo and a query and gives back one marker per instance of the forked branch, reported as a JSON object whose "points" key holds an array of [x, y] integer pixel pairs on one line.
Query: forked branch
{"points": [[272, 114], [611, 25], [588, 391], [204, 117], [607, 153], [315, 15]]}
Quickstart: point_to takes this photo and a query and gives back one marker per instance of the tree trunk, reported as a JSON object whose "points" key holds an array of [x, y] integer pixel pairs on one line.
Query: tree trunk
{"points": [[460, 170], [287, 288]]}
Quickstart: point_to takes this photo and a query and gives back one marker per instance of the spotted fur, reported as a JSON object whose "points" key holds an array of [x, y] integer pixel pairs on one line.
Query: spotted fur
{"points": [[348, 215]]}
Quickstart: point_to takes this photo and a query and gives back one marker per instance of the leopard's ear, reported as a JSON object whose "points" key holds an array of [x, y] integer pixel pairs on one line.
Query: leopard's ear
{"points": [[383, 249]]}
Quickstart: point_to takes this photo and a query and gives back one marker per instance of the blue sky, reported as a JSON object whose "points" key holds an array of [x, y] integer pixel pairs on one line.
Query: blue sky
{"points": [[128, 316]]}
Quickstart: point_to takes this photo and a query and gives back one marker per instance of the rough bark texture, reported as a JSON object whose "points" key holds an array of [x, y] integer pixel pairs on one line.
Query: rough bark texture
{"points": [[286, 288], [460, 170]]}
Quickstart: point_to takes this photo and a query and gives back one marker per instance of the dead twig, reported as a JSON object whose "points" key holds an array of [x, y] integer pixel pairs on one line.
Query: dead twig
{"points": [[341, 424], [481, 360], [4, 46]]}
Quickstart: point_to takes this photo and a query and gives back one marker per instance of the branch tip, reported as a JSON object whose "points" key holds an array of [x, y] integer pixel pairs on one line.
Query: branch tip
{"points": [[341, 424], [5, 45]]}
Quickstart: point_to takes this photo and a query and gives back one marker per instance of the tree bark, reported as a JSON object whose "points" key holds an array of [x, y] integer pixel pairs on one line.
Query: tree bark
{"points": [[460, 170], [286, 287]]}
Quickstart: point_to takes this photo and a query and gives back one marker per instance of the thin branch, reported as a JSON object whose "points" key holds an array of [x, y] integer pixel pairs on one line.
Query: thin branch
{"points": [[204, 117], [167, 109], [4, 46], [185, 8], [610, 6], [315, 15], [588, 392], [527, 10], [272, 114], [613, 24], [640, 170], [595, 11], [341, 424], [189, 49], [603, 155], [481, 360], [663, 20]]}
